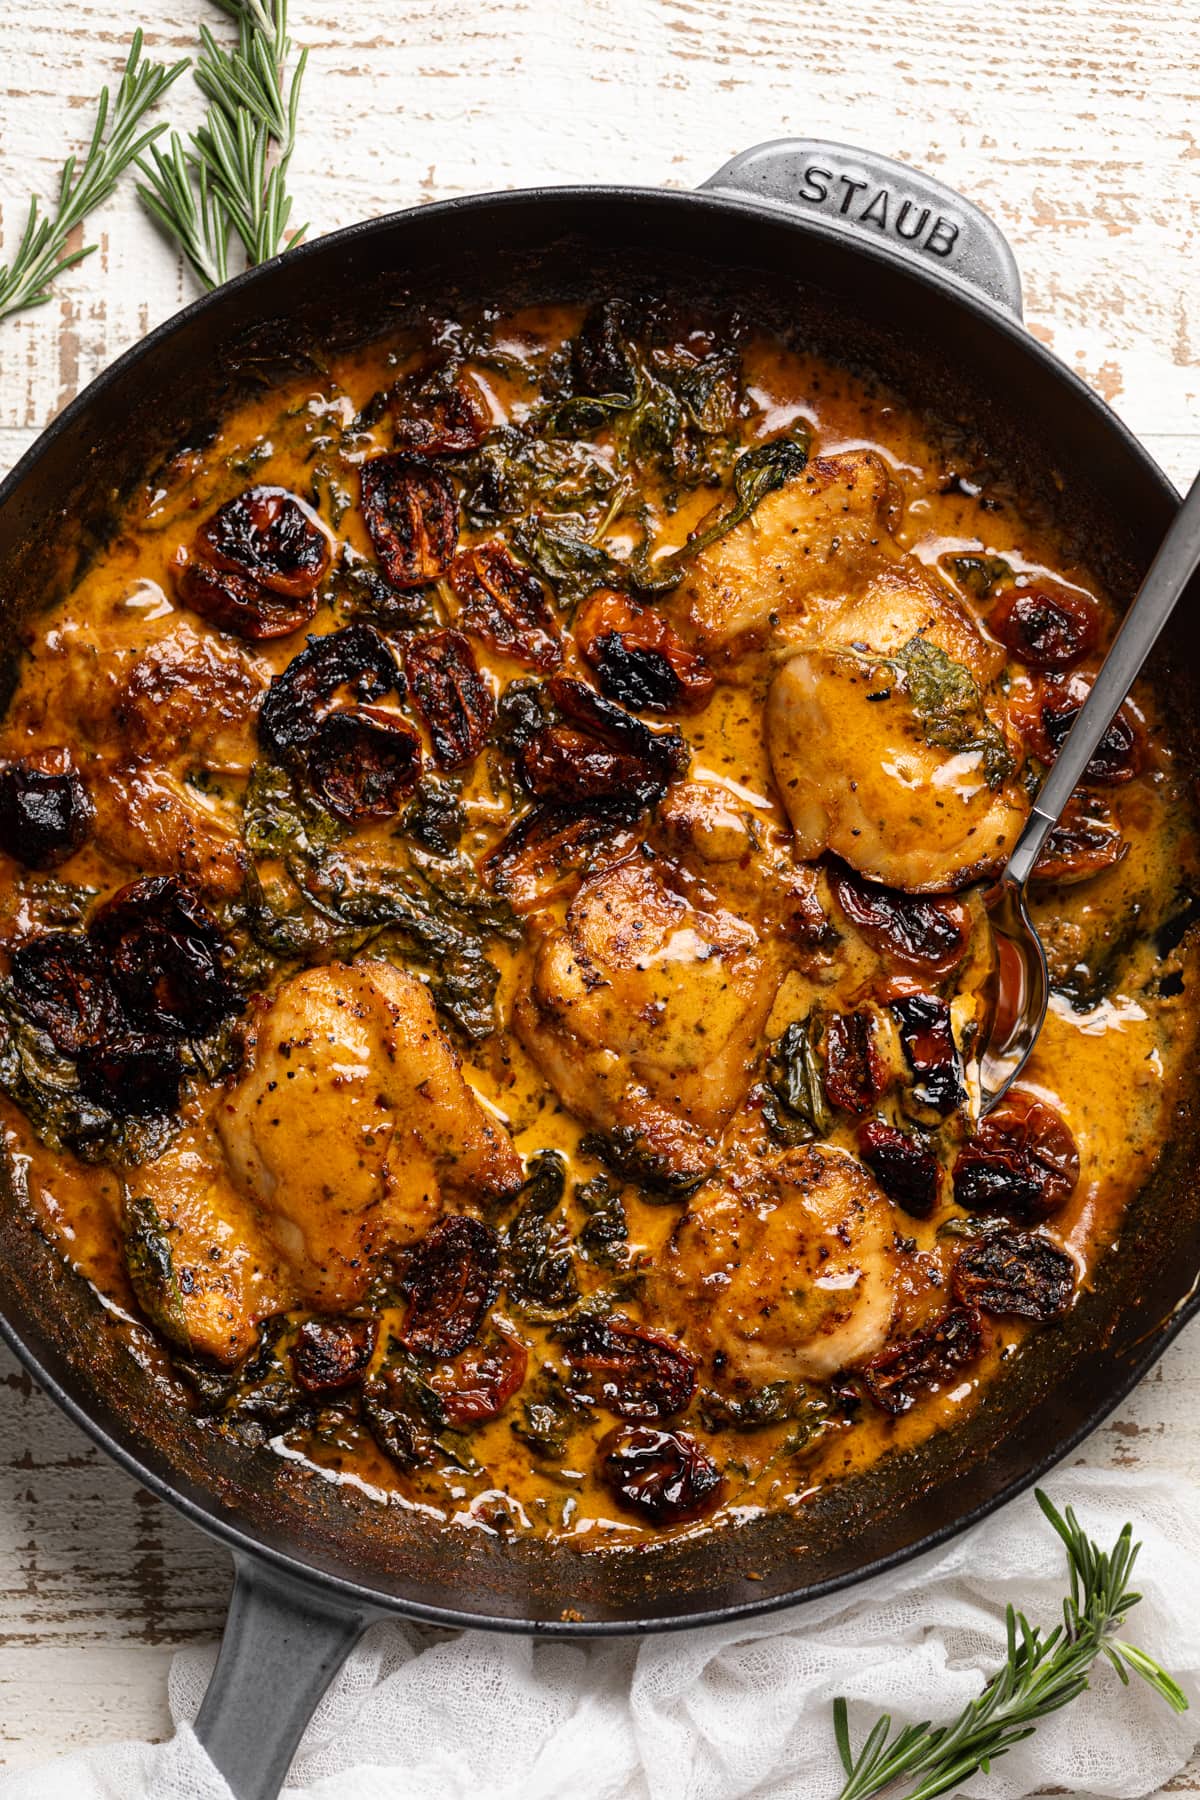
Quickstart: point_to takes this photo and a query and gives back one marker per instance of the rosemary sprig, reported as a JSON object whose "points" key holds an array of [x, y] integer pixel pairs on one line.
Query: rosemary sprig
{"points": [[42, 252], [230, 180], [1041, 1672]]}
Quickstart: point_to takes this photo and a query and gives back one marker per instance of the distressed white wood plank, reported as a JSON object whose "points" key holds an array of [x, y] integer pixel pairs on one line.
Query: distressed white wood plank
{"points": [[1076, 125]]}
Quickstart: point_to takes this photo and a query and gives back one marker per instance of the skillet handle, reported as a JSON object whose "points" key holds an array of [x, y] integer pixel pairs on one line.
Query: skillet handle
{"points": [[858, 194], [284, 1641]]}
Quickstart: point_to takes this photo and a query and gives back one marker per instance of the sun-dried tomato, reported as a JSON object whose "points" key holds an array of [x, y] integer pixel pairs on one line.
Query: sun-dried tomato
{"points": [[353, 666], [1086, 840], [450, 694], [61, 984], [133, 1074], [165, 955], [505, 604], [364, 765], [1015, 1274], [237, 603], [571, 767], [331, 1354], [450, 1282], [549, 850], [1045, 626], [480, 1382], [46, 812], [855, 1075], [665, 753], [905, 1167], [440, 410], [1022, 1161], [271, 536], [928, 1044], [929, 1358], [633, 1371], [920, 931], [662, 1477], [1045, 713], [641, 661], [410, 510]]}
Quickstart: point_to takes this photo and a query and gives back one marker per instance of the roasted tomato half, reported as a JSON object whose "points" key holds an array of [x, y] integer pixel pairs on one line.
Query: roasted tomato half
{"points": [[919, 931], [410, 510], [506, 605], [599, 753], [1046, 626], [450, 694], [46, 812], [440, 410], [479, 1383], [1086, 840], [932, 1054], [929, 1358], [1022, 1161], [904, 1166], [165, 955], [1045, 713], [364, 764], [662, 1477], [633, 1371], [61, 983], [1015, 1274], [546, 853], [331, 1354], [351, 667], [640, 660], [271, 536], [133, 1074], [450, 1282], [855, 1074]]}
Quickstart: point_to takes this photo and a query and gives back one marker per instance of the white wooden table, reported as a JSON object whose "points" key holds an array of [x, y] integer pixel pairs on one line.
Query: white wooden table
{"points": [[1075, 123]]}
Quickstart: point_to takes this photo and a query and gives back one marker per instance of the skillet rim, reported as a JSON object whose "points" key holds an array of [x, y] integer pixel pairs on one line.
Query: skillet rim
{"points": [[208, 1517]]}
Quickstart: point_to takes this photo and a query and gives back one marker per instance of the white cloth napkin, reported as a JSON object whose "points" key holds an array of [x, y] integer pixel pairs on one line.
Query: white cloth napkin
{"points": [[736, 1711]]}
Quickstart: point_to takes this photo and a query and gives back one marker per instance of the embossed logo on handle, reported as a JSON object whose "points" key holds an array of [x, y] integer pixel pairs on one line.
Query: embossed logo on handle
{"points": [[874, 203]]}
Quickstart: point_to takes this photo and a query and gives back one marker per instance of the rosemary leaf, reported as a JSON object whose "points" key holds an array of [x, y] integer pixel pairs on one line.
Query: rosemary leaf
{"points": [[42, 252], [1042, 1672], [229, 181]]}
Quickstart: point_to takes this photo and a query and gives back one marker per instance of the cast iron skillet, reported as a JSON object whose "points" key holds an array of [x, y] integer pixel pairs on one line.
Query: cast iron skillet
{"points": [[872, 261]]}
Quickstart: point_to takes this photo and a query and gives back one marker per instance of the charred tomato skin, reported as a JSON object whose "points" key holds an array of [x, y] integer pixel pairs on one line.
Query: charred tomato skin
{"points": [[358, 659], [450, 1282], [855, 1076], [331, 1354], [1045, 626], [134, 1074], [237, 603], [1015, 1274], [451, 695], [896, 1376], [46, 812], [1086, 840], [905, 1168], [640, 661], [662, 1477], [1023, 1161], [920, 931], [632, 1370], [482, 1380], [928, 1043], [165, 955], [1046, 712], [364, 765], [505, 604], [439, 410], [271, 536], [61, 984], [410, 510]]}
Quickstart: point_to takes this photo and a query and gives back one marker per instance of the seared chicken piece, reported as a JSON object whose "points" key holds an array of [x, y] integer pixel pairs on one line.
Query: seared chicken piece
{"points": [[203, 1269], [781, 1269], [645, 1013], [148, 819], [354, 1128], [818, 535], [898, 603]]}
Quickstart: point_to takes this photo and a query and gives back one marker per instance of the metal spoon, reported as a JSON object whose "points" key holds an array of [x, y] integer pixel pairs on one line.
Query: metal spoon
{"points": [[1022, 979]]}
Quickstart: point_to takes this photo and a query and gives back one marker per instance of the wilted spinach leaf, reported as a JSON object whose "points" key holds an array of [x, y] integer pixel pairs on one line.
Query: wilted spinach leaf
{"points": [[794, 1106]]}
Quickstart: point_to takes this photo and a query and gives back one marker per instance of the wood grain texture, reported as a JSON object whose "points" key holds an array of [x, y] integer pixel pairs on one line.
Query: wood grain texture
{"points": [[1076, 125]]}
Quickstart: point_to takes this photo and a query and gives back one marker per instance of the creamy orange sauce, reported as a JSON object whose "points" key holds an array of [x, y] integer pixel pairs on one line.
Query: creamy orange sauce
{"points": [[1107, 1067]]}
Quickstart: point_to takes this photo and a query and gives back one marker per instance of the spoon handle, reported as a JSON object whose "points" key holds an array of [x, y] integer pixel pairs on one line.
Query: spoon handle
{"points": [[1178, 559]]}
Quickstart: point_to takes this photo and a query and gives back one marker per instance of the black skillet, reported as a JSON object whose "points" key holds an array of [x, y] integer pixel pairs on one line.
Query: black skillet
{"points": [[869, 261]]}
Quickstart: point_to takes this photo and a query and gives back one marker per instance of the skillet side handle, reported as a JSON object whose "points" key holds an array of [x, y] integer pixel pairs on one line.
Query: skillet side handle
{"points": [[284, 1641], [859, 194]]}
